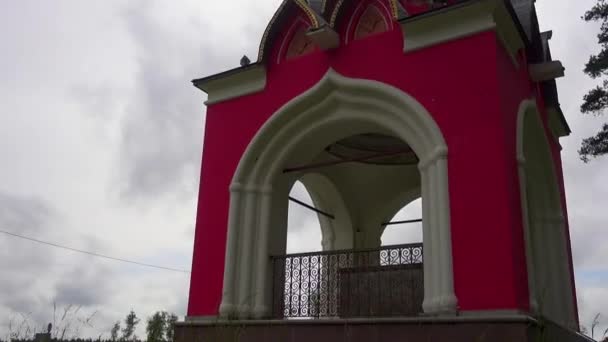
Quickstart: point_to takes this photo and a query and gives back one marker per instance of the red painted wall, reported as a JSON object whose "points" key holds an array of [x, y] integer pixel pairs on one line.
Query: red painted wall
{"points": [[473, 92]]}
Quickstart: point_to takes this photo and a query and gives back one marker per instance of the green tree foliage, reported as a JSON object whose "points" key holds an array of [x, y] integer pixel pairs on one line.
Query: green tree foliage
{"points": [[128, 332], [596, 100], [171, 319], [159, 327], [156, 327]]}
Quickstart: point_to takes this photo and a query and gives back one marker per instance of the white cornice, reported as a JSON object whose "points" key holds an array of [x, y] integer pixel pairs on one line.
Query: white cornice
{"points": [[233, 85], [462, 21]]}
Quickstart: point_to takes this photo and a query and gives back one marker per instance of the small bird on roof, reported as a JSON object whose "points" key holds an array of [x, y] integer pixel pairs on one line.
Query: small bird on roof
{"points": [[245, 60]]}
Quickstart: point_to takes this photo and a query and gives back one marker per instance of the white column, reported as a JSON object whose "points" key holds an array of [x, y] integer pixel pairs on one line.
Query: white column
{"points": [[539, 261], [228, 304], [439, 294], [427, 223], [521, 164], [262, 271], [447, 300], [563, 292], [245, 249], [553, 264]]}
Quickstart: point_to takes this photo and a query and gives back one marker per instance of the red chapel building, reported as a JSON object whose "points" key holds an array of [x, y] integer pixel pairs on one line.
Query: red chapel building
{"points": [[372, 104]]}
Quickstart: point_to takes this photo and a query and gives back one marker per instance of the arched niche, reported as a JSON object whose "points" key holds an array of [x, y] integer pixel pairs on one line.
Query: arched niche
{"points": [[372, 21], [549, 274], [304, 233], [296, 43], [335, 108], [357, 20], [405, 232], [292, 19], [336, 233], [333, 233]]}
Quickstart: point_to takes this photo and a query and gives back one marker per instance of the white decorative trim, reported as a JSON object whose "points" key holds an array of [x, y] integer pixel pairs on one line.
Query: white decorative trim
{"points": [[244, 82], [543, 220], [462, 21], [336, 106], [524, 107]]}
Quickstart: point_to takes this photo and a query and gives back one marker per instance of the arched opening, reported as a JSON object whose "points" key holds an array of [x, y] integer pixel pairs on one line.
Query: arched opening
{"points": [[405, 226], [353, 182], [324, 138], [544, 222], [303, 227]]}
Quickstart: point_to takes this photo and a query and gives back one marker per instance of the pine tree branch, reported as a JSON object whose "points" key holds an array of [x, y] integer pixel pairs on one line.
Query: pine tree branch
{"points": [[595, 146], [597, 64], [596, 100], [597, 12]]}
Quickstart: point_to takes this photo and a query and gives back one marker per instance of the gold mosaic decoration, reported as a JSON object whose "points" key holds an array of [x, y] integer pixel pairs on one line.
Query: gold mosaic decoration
{"points": [[268, 28], [303, 5], [394, 4]]}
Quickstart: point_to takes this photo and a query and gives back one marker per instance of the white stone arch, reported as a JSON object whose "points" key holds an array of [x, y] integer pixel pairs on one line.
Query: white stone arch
{"points": [[336, 233], [335, 108], [544, 222]]}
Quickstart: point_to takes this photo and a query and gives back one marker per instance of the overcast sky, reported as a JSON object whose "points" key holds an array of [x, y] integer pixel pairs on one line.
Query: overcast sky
{"points": [[100, 146]]}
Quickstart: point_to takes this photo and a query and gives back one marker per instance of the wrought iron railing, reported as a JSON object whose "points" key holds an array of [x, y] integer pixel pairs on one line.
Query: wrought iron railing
{"points": [[386, 281]]}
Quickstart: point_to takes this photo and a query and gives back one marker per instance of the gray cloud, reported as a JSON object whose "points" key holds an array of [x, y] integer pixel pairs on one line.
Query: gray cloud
{"points": [[26, 215], [163, 126], [19, 259], [86, 285]]}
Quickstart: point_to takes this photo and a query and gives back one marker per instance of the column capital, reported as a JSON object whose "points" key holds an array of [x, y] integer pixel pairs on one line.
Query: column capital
{"points": [[440, 152]]}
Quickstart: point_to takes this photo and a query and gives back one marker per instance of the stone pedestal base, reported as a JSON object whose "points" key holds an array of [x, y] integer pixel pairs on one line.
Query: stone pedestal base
{"points": [[504, 328]]}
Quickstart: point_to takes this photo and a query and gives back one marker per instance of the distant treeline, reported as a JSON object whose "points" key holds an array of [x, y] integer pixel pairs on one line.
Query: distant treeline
{"points": [[70, 340], [67, 327]]}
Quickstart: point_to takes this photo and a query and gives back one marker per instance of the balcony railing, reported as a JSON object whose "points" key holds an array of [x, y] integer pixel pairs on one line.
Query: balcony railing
{"points": [[381, 282]]}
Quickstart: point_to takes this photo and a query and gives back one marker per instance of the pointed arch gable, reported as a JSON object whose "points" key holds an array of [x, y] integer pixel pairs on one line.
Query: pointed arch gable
{"points": [[334, 108], [288, 11], [370, 22], [424, 136], [340, 10]]}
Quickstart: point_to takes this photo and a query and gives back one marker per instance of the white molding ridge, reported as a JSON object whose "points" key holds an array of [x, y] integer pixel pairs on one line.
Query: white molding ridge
{"points": [[243, 82], [462, 21]]}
